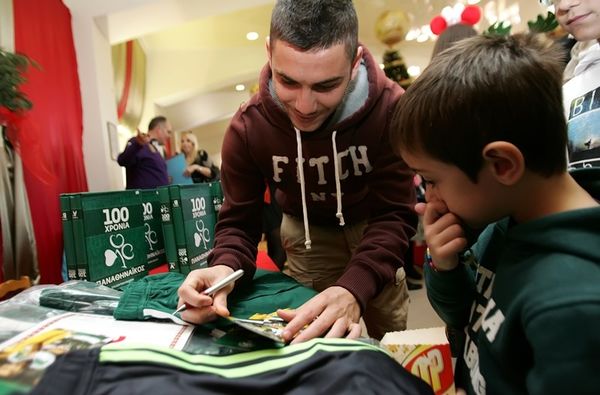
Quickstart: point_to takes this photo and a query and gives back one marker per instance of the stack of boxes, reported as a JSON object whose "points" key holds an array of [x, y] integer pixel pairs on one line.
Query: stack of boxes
{"points": [[113, 238], [189, 215]]}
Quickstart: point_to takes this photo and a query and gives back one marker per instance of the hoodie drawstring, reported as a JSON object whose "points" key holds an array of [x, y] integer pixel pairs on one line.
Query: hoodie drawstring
{"points": [[338, 186], [299, 158]]}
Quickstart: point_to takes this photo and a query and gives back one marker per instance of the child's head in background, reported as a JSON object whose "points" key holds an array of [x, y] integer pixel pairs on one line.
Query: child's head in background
{"points": [[581, 18]]}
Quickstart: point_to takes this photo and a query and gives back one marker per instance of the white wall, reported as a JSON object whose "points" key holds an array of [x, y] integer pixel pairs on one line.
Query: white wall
{"points": [[97, 95], [194, 72], [7, 30]]}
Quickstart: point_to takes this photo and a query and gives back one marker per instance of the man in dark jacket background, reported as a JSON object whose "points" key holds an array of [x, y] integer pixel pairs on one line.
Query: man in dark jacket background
{"points": [[143, 157]]}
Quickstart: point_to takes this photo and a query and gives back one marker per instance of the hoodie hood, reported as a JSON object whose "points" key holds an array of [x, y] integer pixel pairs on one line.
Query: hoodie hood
{"points": [[573, 233]]}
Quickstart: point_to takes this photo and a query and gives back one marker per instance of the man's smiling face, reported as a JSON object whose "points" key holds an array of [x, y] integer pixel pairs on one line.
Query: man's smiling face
{"points": [[310, 84]]}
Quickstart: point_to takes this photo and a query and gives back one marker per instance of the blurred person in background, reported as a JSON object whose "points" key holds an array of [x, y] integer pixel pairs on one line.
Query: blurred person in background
{"points": [[143, 157], [199, 164]]}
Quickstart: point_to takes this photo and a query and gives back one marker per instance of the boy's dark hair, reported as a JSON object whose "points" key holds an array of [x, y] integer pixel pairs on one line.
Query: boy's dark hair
{"points": [[315, 24], [487, 88], [154, 122]]}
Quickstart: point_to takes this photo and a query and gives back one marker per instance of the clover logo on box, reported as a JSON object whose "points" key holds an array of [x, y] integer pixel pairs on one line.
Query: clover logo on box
{"points": [[122, 251], [202, 235]]}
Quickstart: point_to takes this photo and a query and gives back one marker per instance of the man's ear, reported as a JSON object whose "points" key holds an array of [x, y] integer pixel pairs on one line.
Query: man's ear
{"points": [[268, 48], [505, 160], [356, 61]]}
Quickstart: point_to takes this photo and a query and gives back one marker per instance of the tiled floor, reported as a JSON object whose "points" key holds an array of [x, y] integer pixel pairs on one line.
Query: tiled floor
{"points": [[420, 312]]}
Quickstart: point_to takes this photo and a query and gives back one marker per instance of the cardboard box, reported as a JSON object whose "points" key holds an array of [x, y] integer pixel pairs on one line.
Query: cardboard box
{"points": [[68, 241], [153, 231], [426, 354], [109, 236], [167, 229], [116, 237], [194, 216]]}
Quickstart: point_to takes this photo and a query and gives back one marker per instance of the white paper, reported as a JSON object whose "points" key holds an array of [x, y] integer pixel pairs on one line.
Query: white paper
{"points": [[126, 332]]}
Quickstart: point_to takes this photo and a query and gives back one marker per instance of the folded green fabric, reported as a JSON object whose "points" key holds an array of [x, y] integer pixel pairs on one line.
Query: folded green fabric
{"points": [[268, 292], [156, 292], [81, 296]]}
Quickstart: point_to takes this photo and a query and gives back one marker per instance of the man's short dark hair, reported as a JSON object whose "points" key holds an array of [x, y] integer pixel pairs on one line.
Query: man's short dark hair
{"points": [[315, 24], [487, 88], [156, 121]]}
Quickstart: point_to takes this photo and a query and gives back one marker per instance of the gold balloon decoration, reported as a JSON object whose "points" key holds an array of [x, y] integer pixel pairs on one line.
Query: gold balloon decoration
{"points": [[391, 27]]}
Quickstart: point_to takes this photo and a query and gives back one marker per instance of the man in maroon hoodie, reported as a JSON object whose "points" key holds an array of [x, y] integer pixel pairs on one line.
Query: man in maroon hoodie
{"points": [[319, 129]]}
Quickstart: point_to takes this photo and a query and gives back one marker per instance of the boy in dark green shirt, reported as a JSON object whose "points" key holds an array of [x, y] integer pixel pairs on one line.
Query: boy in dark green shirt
{"points": [[484, 127]]}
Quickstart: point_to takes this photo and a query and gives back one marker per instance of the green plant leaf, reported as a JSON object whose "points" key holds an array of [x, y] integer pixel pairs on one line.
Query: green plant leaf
{"points": [[12, 68]]}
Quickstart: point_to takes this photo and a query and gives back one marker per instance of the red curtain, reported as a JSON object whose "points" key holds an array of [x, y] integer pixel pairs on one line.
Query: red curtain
{"points": [[1, 255], [49, 137]]}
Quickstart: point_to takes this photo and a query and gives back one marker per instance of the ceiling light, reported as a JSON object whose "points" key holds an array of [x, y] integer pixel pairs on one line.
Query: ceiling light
{"points": [[414, 71], [412, 34], [252, 36], [422, 38], [240, 87]]}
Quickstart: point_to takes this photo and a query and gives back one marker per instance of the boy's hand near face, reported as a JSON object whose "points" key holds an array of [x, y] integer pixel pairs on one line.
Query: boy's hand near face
{"points": [[444, 234]]}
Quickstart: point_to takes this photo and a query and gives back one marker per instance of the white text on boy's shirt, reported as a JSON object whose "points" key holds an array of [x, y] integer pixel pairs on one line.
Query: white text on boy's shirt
{"points": [[485, 316]]}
